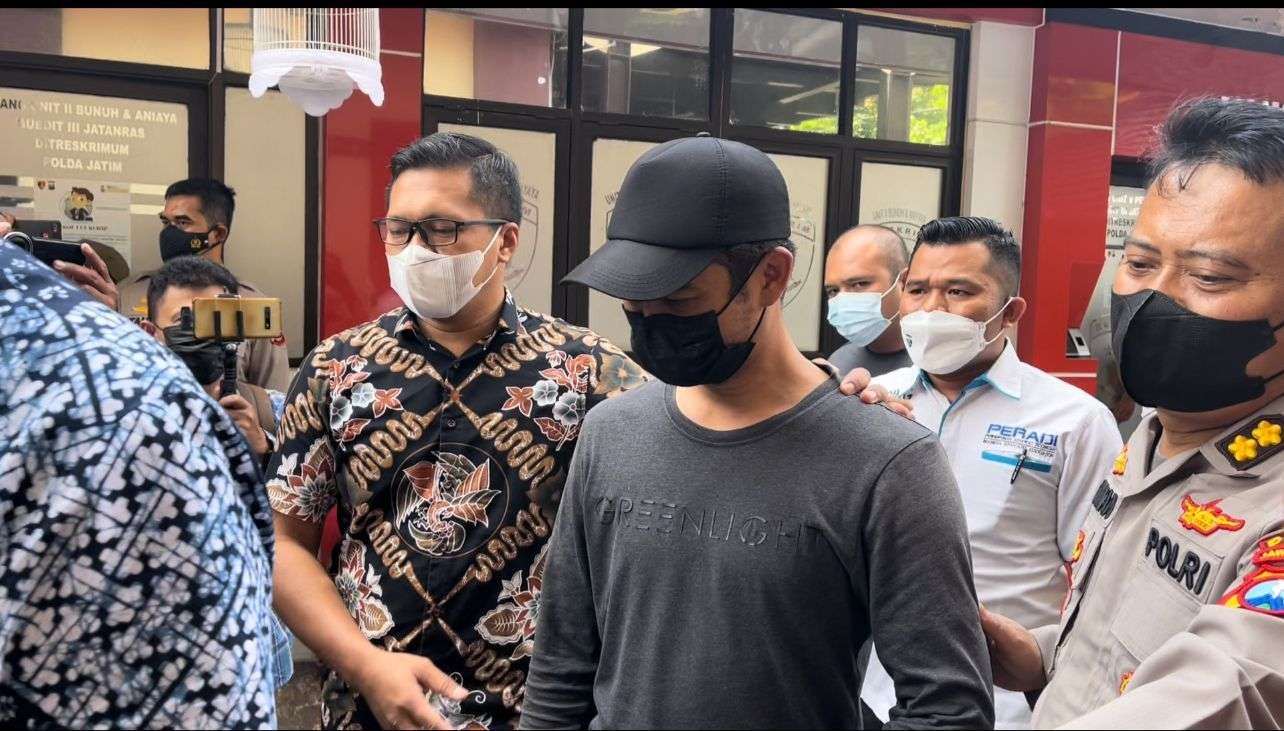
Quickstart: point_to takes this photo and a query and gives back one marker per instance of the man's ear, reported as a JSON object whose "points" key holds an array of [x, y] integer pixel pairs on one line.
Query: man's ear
{"points": [[222, 231], [508, 242], [1015, 310], [776, 269], [150, 328]]}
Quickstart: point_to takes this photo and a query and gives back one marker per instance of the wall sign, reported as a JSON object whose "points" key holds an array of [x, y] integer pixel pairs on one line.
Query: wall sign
{"points": [[1125, 203], [98, 164]]}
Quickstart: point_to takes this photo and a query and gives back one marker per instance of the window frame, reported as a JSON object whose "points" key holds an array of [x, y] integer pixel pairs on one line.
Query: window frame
{"points": [[578, 130], [203, 92]]}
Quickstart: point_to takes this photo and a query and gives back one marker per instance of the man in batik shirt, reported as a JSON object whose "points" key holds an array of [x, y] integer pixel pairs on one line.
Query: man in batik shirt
{"points": [[136, 539], [443, 431]]}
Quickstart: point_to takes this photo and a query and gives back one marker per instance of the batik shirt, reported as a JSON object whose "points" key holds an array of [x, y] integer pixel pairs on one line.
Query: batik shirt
{"points": [[446, 472], [135, 536]]}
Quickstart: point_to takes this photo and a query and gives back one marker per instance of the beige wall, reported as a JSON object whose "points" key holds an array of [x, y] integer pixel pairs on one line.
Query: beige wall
{"points": [[264, 160], [238, 39], [164, 36], [448, 61]]}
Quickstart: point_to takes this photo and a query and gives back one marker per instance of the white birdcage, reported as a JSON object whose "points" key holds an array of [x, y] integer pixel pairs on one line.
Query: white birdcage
{"points": [[316, 55]]}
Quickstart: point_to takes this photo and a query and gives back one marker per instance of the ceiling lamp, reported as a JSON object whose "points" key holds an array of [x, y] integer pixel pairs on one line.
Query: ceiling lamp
{"points": [[317, 55]]}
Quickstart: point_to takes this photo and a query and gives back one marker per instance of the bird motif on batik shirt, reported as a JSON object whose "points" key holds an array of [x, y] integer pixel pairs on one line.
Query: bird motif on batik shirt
{"points": [[442, 500]]}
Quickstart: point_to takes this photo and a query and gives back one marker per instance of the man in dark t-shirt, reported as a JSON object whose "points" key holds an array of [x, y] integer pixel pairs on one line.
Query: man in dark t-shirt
{"points": [[731, 535]]}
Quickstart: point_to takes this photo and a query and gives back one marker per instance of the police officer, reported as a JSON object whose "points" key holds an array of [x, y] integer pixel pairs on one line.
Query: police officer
{"points": [[197, 221], [1175, 613], [1025, 447]]}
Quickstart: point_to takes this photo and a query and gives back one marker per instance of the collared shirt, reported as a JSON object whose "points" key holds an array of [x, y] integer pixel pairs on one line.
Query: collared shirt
{"points": [[1028, 451], [1176, 609], [136, 539], [446, 472]]}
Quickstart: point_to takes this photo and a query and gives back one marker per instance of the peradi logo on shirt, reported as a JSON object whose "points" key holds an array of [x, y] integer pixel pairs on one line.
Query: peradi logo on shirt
{"points": [[1020, 446], [1047, 439]]}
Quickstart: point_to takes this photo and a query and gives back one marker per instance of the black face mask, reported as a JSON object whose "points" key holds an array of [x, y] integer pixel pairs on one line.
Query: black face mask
{"points": [[688, 351], [175, 242], [1171, 358], [203, 357]]}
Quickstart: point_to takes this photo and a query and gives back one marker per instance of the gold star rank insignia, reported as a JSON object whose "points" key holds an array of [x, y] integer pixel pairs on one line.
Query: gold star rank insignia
{"points": [[1254, 442]]}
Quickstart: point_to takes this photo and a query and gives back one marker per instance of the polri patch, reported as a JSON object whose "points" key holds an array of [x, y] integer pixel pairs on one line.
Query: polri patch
{"points": [[1188, 569]]}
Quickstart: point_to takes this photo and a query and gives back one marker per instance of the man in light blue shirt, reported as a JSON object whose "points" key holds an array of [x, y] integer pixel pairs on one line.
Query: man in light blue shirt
{"points": [[1026, 448]]}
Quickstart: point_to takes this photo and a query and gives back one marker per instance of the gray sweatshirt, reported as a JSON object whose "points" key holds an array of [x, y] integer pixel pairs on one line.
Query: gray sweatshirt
{"points": [[718, 579]]}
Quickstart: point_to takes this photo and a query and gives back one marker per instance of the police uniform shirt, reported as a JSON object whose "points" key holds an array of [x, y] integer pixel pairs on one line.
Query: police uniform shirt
{"points": [[1028, 450], [1175, 618], [264, 363]]}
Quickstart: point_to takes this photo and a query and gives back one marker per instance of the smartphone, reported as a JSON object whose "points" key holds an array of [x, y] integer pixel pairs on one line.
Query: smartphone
{"points": [[47, 250], [236, 318], [39, 229]]}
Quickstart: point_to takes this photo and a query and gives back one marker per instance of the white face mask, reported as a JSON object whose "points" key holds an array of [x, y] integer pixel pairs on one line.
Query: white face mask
{"points": [[436, 286], [940, 342]]}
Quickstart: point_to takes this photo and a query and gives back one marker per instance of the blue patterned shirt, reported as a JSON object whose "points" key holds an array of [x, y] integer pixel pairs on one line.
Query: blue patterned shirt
{"points": [[282, 639], [135, 536]]}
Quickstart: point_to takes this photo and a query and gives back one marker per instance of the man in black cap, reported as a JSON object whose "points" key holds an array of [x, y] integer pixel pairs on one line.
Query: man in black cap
{"points": [[731, 535]]}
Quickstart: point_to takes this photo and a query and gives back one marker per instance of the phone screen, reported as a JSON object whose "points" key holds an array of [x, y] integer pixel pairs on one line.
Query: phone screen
{"points": [[39, 229]]}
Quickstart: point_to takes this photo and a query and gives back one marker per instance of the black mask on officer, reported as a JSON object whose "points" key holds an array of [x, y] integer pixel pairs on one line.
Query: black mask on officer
{"points": [[175, 242], [1172, 358]]}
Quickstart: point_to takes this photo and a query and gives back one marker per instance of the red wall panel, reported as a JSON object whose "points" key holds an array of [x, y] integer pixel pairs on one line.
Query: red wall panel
{"points": [[1155, 73], [359, 139], [1067, 190], [1074, 75]]}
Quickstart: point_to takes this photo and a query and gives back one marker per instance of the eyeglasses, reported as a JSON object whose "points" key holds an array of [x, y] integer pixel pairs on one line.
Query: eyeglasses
{"points": [[434, 232]]}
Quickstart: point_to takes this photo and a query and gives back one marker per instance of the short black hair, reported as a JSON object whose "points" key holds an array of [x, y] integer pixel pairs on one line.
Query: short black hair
{"points": [[1005, 254], [83, 191], [1246, 136], [742, 259], [191, 272], [495, 183], [218, 202]]}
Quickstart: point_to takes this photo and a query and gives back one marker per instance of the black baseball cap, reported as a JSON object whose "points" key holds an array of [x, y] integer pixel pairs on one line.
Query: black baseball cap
{"points": [[681, 204]]}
